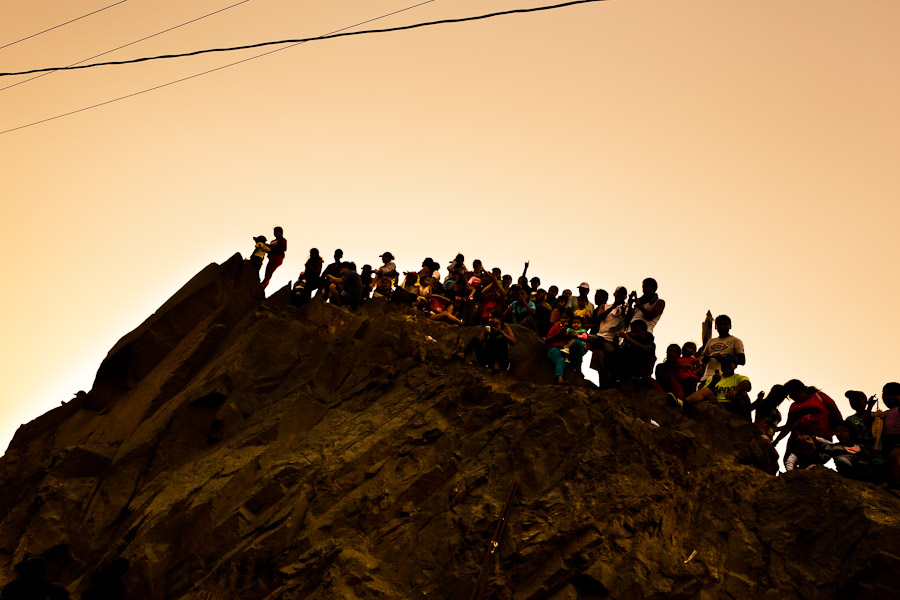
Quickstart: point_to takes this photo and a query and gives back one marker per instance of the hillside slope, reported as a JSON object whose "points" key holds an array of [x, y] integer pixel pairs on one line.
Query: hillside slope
{"points": [[236, 447]]}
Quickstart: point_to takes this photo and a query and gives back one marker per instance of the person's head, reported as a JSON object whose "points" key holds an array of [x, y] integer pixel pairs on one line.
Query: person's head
{"points": [[857, 400], [639, 330], [384, 283], [577, 323], [776, 396], [476, 265], [338, 255], [567, 293], [673, 351], [797, 390], [561, 302], [497, 273], [649, 286], [522, 296], [620, 294], [260, 238], [535, 282], [314, 253], [523, 282], [553, 291], [496, 319], [890, 393], [541, 295], [507, 279], [728, 363], [387, 257], [584, 289], [427, 281], [279, 232], [366, 269], [564, 320], [689, 349], [582, 302], [723, 325], [601, 296]]}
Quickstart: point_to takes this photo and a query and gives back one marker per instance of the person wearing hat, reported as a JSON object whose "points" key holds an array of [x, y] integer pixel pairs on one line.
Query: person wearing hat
{"points": [[728, 389], [259, 252], [584, 288], [388, 269]]}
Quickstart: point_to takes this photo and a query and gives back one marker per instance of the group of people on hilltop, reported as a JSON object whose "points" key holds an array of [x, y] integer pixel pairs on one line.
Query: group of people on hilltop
{"points": [[618, 335]]}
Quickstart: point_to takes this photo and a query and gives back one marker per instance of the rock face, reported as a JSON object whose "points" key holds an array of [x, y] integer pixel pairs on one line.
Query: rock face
{"points": [[238, 447]]}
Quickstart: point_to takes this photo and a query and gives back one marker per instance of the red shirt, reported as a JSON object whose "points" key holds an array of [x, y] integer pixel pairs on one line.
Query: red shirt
{"points": [[819, 415]]}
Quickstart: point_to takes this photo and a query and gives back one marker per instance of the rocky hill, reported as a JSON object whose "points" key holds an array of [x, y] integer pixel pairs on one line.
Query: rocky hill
{"points": [[234, 446]]}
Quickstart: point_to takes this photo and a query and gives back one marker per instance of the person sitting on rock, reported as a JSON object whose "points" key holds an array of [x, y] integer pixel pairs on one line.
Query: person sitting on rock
{"points": [[724, 343], [367, 276], [851, 459], [728, 389], [259, 252], [860, 422], [553, 344], [521, 311], [491, 346], [577, 335], [383, 288], [332, 270], [689, 368], [666, 372], [634, 357], [805, 453], [890, 436], [310, 278], [559, 310], [767, 416], [542, 311], [346, 290], [277, 248], [813, 413]]}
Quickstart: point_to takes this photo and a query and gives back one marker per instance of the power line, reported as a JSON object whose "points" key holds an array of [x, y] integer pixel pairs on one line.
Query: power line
{"points": [[61, 25], [210, 70], [312, 39], [128, 44]]}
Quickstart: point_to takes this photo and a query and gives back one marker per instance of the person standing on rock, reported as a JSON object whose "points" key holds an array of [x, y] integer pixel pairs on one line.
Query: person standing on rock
{"points": [[649, 307], [725, 343], [277, 248]]}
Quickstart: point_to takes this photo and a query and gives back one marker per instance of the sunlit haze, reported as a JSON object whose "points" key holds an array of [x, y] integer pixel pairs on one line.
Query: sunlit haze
{"points": [[744, 154]]}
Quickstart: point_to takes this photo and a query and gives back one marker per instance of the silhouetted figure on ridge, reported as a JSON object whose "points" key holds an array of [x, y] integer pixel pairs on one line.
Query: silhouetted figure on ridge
{"points": [[30, 584], [259, 252], [277, 248]]}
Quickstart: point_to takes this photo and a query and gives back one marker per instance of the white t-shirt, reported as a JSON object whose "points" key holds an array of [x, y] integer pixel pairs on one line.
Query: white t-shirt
{"points": [[611, 323], [720, 345]]}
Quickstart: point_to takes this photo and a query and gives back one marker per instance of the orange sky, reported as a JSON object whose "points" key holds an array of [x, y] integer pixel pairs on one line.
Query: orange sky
{"points": [[743, 154]]}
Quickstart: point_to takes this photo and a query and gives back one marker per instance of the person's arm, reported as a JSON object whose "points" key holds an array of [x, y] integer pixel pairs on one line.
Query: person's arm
{"points": [[867, 416], [739, 352], [508, 334], [556, 332], [334, 279], [529, 306], [655, 311], [627, 337], [743, 386]]}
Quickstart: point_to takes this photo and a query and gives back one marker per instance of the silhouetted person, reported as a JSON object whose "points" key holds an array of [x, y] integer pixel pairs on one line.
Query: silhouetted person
{"points": [[277, 248], [260, 249], [725, 343], [649, 307], [346, 290], [332, 270], [107, 584], [30, 584]]}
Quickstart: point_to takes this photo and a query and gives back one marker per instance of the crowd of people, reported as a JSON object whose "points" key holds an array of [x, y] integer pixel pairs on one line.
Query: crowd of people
{"points": [[617, 333]]}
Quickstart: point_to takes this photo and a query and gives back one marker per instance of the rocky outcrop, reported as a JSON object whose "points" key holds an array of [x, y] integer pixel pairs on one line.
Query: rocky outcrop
{"points": [[237, 447]]}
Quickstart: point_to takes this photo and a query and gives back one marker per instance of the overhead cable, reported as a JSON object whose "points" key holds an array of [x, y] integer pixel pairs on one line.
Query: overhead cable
{"points": [[61, 25], [128, 44], [384, 16], [312, 39]]}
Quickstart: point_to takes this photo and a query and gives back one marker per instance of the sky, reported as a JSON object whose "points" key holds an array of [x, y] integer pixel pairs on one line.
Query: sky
{"points": [[742, 153]]}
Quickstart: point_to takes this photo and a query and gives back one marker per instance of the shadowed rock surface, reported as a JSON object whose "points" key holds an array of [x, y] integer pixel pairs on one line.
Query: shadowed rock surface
{"points": [[237, 447]]}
